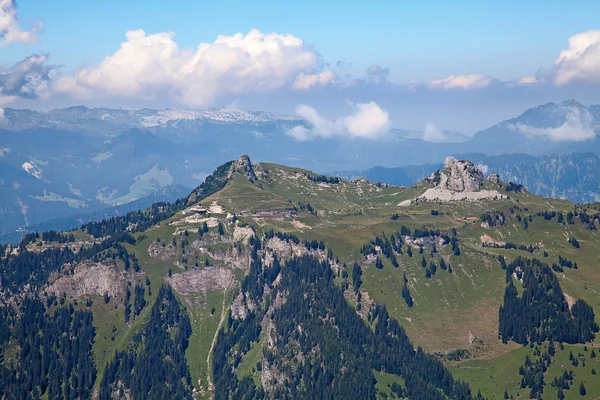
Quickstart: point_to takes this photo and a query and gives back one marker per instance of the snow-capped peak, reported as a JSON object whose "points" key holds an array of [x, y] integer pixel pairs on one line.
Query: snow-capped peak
{"points": [[230, 115]]}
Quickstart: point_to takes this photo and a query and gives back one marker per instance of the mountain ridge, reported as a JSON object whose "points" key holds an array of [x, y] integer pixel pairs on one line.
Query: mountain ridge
{"points": [[271, 274]]}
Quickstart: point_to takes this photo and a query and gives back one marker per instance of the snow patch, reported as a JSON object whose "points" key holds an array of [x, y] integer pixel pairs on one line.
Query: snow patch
{"points": [[32, 169], [102, 157]]}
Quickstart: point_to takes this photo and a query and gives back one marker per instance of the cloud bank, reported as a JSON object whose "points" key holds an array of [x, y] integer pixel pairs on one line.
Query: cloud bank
{"points": [[10, 30], [368, 121], [151, 65], [578, 126], [473, 81]]}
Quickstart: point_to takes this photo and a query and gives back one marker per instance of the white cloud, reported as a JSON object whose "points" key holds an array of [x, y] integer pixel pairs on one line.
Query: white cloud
{"points": [[2, 116], [368, 121], [306, 81], [433, 134], [580, 63], [29, 78], [577, 127], [150, 65], [378, 74], [528, 80], [483, 168], [10, 31], [473, 81]]}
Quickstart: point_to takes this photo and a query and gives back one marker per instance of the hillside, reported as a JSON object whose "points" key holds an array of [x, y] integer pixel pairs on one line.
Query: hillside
{"points": [[275, 282]]}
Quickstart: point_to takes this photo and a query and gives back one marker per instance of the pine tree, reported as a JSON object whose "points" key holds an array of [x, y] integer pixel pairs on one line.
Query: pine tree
{"points": [[582, 390], [356, 277]]}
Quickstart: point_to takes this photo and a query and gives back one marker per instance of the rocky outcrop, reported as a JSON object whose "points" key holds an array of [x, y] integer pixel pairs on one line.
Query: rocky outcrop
{"points": [[244, 166], [460, 176], [495, 179], [201, 280], [459, 180], [91, 278]]}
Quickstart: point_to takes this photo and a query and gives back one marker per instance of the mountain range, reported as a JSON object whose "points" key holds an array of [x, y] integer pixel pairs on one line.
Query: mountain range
{"points": [[76, 161], [274, 282]]}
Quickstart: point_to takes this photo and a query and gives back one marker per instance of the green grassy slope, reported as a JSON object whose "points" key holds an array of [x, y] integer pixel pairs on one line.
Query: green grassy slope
{"points": [[452, 311]]}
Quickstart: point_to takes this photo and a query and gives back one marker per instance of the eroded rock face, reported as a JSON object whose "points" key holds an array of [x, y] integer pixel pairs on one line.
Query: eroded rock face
{"points": [[160, 252], [244, 166], [494, 178], [200, 280], [91, 278], [461, 176]]}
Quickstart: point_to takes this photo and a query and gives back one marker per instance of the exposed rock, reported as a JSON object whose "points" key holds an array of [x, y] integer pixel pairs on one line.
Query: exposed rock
{"points": [[488, 240], [238, 307], [242, 234], [201, 280], [459, 180], [158, 251], [91, 278], [461, 176], [285, 250], [244, 166], [495, 179]]}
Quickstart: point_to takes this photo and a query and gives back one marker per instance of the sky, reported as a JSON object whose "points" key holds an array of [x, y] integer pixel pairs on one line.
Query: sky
{"points": [[460, 65]]}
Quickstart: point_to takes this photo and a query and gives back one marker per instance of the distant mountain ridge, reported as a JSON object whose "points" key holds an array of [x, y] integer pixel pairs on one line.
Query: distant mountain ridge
{"points": [[114, 121], [574, 177], [78, 160]]}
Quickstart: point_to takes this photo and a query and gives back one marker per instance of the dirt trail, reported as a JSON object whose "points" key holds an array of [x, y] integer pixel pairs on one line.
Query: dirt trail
{"points": [[212, 345]]}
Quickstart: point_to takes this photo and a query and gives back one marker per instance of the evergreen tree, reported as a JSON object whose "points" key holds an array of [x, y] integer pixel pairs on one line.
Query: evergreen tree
{"points": [[356, 277]]}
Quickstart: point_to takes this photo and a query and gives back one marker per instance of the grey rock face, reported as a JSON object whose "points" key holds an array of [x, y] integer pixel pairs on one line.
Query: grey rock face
{"points": [[462, 176]]}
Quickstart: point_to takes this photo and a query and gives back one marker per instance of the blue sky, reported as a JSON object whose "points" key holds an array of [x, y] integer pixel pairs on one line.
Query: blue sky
{"points": [[415, 40]]}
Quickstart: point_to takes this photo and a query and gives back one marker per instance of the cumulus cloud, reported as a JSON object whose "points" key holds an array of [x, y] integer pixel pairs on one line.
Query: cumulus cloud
{"points": [[578, 126], [580, 63], [472, 81], [10, 31], [306, 81], [368, 121], [29, 78], [150, 65]]}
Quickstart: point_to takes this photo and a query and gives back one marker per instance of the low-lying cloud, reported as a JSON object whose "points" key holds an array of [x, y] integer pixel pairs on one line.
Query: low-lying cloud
{"points": [[472, 81], [368, 121], [578, 126], [433, 134]]}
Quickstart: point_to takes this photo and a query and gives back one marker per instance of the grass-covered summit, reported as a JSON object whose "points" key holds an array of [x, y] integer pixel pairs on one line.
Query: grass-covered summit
{"points": [[275, 282]]}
